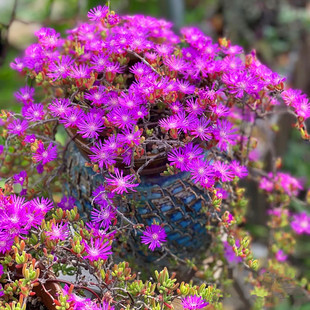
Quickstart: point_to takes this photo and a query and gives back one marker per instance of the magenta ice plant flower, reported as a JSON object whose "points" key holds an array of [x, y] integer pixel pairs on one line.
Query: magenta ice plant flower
{"points": [[42, 204], [222, 171], [6, 242], [17, 64], [80, 71], [281, 256], [120, 183], [91, 125], [194, 302], [238, 170], [102, 195], [98, 13], [154, 236], [301, 223], [78, 301], [25, 95], [60, 68], [66, 203], [72, 117], [97, 249], [104, 216], [20, 177], [34, 112], [102, 155], [58, 231], [225, 134], [45, 155], [17, 127], [59, 107]]}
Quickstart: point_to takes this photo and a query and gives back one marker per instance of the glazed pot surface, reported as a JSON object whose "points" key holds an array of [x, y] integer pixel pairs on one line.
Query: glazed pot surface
{"points": [[174, 201]]}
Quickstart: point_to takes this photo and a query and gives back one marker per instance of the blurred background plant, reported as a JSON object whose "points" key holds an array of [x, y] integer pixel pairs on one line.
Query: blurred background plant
{"points": [[279, 30]]}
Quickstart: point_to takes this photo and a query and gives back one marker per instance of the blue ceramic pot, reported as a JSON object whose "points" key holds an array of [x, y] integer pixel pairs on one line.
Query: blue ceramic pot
{"points": [[174, 201]]}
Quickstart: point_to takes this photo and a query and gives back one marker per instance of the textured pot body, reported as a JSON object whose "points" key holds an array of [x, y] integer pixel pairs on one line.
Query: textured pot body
{"points": [[174, 201]]}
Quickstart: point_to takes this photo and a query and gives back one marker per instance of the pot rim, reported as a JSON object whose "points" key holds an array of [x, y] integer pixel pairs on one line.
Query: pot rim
{"points": [[158, 165]]}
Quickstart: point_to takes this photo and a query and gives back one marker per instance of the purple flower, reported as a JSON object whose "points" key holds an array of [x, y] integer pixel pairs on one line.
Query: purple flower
{"points": [[201, 129], [25, 95], [194, 302], [193, 107], [112, 144], [41, 205], [58, 231], [40, 168], [97, 13], [202, 173], [101, 196], [13, 221], [17, 65], [99, 62], [120, 183], [6, 242], [176, 64], [154, 235], [241, 83], [48, 37], [20, 177], [34, 112], [72, 117], [18, 127], [301, 223], [91, 125], [222, 171], [79, 301], [61, 68], [104, 216], [102, 155], [130, 137], [302, 107], [290, 96], [185, 87], [233, 50], [122, 117], [67, 203], [59, 107], [282, 182], [97, 249], [34, 216], [30, 139], [192, 153], [130, 101], [178, 158], [229, 253], [281, 256], [172, 122], [238, 170], [80, 72], [225, 134], [45, 155], [140, 69], [96, 95]]}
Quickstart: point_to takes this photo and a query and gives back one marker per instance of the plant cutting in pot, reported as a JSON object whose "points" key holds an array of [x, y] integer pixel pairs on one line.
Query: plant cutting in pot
{"points": [[162, 126]]}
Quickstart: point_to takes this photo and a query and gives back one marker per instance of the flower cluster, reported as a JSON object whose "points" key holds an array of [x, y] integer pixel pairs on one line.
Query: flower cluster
{"points": [[128, 87], [137, 98], [18, 217], [281, 182], [35, 236]]}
